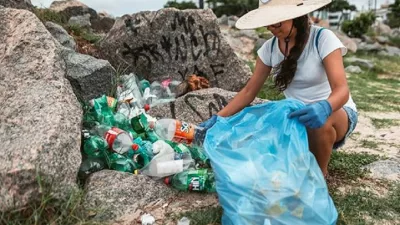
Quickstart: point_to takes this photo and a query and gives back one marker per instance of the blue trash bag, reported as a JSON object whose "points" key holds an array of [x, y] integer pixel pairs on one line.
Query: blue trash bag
{"points": [[264, 171]]}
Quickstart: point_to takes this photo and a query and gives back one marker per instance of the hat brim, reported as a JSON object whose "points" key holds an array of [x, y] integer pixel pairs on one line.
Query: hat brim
{"points": [[265, 16]]}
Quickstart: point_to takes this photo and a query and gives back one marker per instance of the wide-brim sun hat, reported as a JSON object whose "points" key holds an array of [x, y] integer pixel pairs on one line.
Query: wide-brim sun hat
{"points": [[275, 11]]}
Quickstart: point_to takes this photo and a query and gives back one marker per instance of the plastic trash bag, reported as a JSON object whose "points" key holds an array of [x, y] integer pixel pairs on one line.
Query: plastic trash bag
{"points": [[264, 171]]}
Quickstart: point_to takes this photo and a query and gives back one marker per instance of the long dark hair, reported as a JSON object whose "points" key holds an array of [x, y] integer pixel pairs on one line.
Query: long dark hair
{"points": [[287, 68]]}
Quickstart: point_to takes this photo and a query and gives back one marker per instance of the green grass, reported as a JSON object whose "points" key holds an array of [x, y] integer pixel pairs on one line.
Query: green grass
{"points": [[373, 93], [269, 92], [357, 205], [263, 32], [84, 33], [395, 41], [49, 15], [384, 123], [369, 144], [207, 216], [49, 210]]}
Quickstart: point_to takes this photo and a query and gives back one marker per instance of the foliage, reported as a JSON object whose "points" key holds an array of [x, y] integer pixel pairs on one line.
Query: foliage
{"points": [[232, 7], [46, 15], [339, 5], [180, 5], [358, 26], [394, 15]]}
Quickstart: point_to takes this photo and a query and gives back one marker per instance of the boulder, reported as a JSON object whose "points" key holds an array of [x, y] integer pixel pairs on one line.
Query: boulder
{"points": [[103, 23], [174, 44], [381, 29], [89, 77], [18, 4], [115, 194], [388, 169], [223, 20], [197, 106], [71, 8], [364, 63], [349, 43], [382, 39], [367, 39], [392, 51], [61, 35], [396, 32], [353, 69], [80, 21], [232, 21], [376, 47], [252, 34], [40, 122], [259, 43]]}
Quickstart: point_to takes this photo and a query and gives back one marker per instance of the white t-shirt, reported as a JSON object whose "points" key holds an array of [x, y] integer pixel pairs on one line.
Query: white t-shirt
{"points": [[310, 83]]}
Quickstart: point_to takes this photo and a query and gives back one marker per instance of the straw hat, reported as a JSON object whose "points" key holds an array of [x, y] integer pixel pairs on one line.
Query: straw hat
{"points": [[274, 11]]}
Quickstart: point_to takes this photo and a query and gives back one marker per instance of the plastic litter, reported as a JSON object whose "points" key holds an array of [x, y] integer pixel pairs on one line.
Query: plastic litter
{"points": [[184, 221], [264, 171], [147, 219]]}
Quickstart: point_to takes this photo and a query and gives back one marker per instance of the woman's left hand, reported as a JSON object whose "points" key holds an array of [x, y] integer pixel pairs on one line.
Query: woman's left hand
{"points": [[313, 115]]}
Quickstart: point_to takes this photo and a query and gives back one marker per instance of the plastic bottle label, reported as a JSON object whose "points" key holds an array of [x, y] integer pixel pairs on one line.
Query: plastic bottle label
{"points": [[184, 133], [112, 102], [197, 180], [111, 135]]}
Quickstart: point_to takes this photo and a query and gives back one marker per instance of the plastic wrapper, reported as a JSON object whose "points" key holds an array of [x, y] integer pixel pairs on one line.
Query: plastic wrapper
{"points": [[264, 171]]}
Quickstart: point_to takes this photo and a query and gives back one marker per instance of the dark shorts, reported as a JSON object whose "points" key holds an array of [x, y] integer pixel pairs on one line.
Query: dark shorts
{"points": [[353, 119]]}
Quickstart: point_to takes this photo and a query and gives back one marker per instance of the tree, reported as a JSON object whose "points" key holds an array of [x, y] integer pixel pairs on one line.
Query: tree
{"points": [[232, 7], [394, 15], [180, 5], [339, 5]]}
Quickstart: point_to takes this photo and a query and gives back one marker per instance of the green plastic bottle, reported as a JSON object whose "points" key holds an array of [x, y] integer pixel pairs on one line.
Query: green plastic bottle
{"points": [[95, 147], [140, 124], [139, 156], [120, 163], [122, 122], [104, 113], [89, 166], [144, 84], [201, 180]]}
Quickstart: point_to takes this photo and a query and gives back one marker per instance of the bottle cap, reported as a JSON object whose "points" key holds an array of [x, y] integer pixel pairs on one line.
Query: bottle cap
{"points": [[146, 107], [167, 180], [152, 124], [135, 147]]}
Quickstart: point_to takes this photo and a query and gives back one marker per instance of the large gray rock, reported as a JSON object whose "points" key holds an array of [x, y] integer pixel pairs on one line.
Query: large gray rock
{"points": [[90, 77], [223, 20], [61, 35], [115, 194], [197, 106], [385, 169], [392, 51], [349, 43], [103, 23], [353, 69], [360, 62], [382, 39], [40, 120], [174, 44], [70, 8], [18, 4], [252, 34], [376, 47], [259, 43], [80, 21], [381, 29]]}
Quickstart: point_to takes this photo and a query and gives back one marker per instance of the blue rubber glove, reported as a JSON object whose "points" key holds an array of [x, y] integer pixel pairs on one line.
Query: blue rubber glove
{"points": [[209, 123], [313, 115]]}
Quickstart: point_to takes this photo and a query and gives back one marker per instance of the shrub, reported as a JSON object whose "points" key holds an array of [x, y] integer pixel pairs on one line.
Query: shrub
{"points": [[180, 5], [46, 15], [358, 26]]}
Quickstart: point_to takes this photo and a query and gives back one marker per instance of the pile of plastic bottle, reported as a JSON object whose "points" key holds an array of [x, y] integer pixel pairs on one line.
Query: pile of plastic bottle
{"points": [[119, 135]]}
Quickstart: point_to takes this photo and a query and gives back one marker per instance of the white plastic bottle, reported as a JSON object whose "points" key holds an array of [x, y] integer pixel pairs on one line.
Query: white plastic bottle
{"points": [[118, 140], [163, 163]]}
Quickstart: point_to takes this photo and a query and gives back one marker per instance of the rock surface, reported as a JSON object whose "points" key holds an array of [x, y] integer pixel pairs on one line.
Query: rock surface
{"points": [[18, 4], [353, 69], [89, 77], [40, 123], [385, 169], [349, 43], [197, 106], [71, 8], [61, 35], [80, 21], [176, 44], [116, 193], [360, 62]]}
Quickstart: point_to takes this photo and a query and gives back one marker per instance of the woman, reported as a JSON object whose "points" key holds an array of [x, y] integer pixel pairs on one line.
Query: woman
{"points": [[306, 63]]}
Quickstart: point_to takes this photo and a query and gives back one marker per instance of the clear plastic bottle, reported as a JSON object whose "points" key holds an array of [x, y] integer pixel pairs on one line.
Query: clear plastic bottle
{"points": [[178, 131], [118, 140], [163, 163]]}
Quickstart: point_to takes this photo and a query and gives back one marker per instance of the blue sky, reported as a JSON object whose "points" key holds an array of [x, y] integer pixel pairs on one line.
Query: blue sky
{"points": [[120, 7]]}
